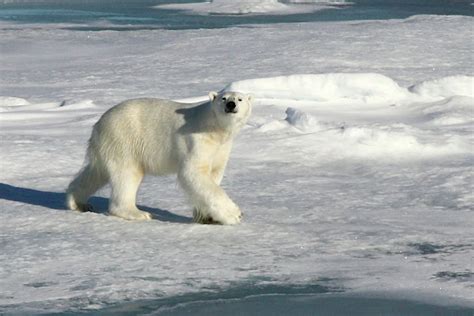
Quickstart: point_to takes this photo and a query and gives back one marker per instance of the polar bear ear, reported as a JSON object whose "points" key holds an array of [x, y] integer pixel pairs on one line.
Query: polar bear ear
{"points": [[249, 97], [212, 95]]}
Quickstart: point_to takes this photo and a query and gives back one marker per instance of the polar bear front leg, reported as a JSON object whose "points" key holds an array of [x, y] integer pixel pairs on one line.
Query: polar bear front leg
{"points": [[212, 205], [219, 163]]}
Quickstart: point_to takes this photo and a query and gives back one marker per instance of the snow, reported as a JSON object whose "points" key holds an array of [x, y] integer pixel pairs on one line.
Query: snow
{"points": [[12, 101], [367, 88], [331, 87], [229, 7], [354, 172], [244, 7], [345, 110], [332, 2], [446, 87]]}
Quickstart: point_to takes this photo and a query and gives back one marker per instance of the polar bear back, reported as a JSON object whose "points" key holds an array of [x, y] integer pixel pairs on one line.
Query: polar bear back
{"points": [[140, 133]]}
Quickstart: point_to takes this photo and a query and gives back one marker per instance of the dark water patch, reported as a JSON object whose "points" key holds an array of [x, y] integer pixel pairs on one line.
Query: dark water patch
{"points": [[322, 297], [256, 286], [429, 249], [463, 276], [84, 285], [292, 304], [211, 295], [86, 28], [39, 284]]}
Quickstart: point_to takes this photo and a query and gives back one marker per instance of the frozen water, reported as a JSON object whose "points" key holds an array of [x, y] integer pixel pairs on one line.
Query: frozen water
{"points": [[332, 87], [12, 101], [332, 2], [446, 87], [232, 7], [242, 7], [354, 172], [136, 15]]}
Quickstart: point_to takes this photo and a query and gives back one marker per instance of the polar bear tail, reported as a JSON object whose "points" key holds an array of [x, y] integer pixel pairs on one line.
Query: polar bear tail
{"points": [[90, 179]]}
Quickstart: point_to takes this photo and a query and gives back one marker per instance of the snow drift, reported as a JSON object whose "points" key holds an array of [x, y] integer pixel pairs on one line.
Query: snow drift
{"points": [[445, 87], [333, 87], [245, 7], [366, 115], [343, 114], [369, 88]]}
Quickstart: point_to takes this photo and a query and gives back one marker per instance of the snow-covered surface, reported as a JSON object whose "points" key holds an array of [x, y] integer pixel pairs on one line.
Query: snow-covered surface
{"points": [[252, 6], [332, 2], [332, 87], [356, 177]]}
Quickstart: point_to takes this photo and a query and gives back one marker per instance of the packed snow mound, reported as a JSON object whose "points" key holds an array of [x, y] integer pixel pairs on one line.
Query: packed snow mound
{"points": [[303, 121], [12, 101], [49, 118], [230, 7], [372, 140], [245, 7], [365, 87], [14, 105], [330, 2], [446, 87], [396, 141], [356, 88], [367, 115], [299, 119], [450, 111]]}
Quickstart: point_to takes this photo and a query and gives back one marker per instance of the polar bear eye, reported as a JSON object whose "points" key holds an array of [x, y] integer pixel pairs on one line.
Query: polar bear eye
{"points": [[240, 99], [224, 98]]}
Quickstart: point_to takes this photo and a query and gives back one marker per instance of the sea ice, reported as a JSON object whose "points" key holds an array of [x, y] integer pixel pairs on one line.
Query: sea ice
{"points": [[353, 177], [242, 7], [446, 87]]}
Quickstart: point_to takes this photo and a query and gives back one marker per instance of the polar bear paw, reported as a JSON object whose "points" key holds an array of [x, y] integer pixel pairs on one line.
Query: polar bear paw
{"points": [[132, 215], [76, 206], [229, 217]]}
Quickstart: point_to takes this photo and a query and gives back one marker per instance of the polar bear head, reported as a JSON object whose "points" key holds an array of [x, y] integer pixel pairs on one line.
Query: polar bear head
{"points": [[231, 108]]}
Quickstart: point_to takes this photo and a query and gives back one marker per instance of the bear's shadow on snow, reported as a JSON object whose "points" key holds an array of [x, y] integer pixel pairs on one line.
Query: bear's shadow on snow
{"points": [[189, 115], [55, 200]]}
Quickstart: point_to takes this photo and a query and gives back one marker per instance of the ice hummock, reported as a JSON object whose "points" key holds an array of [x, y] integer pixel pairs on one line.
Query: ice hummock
{"points": [[331, 87], [445, 87], [246, 7]]}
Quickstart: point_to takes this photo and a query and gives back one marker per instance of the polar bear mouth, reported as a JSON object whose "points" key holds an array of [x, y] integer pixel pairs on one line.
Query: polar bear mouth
{"points": [[230, 111]]}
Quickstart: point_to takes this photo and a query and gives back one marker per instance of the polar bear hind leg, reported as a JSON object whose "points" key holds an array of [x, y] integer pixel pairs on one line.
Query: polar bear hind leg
{"points": [[87, 182], [125, 181]]}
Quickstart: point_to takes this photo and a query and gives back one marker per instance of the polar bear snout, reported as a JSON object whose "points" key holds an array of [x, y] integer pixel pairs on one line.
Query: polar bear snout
{"points": [[230, 107], [232, 103]]}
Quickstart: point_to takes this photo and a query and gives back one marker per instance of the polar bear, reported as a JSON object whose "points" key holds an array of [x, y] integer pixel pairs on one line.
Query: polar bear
{"points": [[159, 137]]}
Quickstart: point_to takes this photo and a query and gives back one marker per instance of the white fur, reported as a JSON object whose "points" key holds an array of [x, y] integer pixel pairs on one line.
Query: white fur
{"points": [[153, 136]]}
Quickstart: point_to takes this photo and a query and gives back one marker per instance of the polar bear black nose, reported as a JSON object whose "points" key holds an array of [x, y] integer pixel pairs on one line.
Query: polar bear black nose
{"points": [[230, 105]]}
